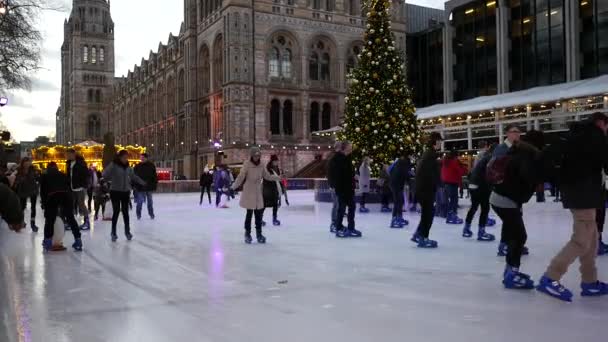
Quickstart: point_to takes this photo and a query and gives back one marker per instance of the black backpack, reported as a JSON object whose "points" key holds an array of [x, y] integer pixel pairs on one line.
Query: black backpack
{"points": [[552, 161]]}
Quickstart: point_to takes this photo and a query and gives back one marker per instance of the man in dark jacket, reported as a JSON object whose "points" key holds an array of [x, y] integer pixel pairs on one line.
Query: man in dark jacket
{"points": [[428, 176], [341, 178], [206, 182], [56, 198], [10, 208], [399, 175], [78, 177], [147, 172], [585, 158]]}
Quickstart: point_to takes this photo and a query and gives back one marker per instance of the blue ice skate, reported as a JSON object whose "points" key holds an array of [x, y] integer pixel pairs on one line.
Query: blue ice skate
{"points": [[502, 249], [602, 248], [114, 237], [129, 236], [385, 210], [77, 245], [261, 239], [413, 209], [466, 231], [554, 289], [490, 222], [427, 243], [248, 238], [513, 279], [276, 222], [416, 238], [47, 244], [594, 289], [396, 223], [453, 219], [363, 210], [342, 233], [403, 221], [483, 236], [332, 228], [354, 233]]}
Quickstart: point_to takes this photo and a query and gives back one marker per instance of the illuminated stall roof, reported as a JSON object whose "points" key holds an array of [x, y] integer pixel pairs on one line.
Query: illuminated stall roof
{"points": [[546, 94]]}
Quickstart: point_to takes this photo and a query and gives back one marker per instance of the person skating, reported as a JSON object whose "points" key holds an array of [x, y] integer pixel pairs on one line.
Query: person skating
{"points": [[383, 187], [146, 171], [250, 178], [342, 180], [121, 175], [78, 175], [585, 157], [10, 208], [92, 183], [26, 187], [514, 177], [56, 199], [221, 184], [101, 196], [451, 176], [602, 248], [206, 182], [365, 175], [399, 176], [480, 197], [331, 184], [272, 190], [428, 177]]}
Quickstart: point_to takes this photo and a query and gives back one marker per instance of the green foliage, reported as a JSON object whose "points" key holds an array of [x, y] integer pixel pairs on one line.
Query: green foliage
{"points": [[379, 116]]}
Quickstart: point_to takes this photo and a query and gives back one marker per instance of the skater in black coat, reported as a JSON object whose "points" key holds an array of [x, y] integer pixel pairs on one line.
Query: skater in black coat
{"points": [[342, 178], [206, 182], [10, 208], [480, 196], [56, 199], [399, 176], [428, 178], [272, 190], [145, 170]]}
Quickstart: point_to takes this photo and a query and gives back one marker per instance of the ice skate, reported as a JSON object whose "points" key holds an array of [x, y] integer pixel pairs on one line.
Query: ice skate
{"points": [[427, 243], [490, 222], [466, 231], [47, 245], [363, 210], [77, 245], [332, 228], [263, 223], [416, 237], [403, 221], [114, 237], [385, 210], [554, 289], [594, 289], [248, 238], [483, 236], [513, 279], [602, 248], [86, 225], [34, 227], [396, 223], [354, 233], [261, 239], [453, 219], [342, 233], [502, 249], [129, 236], [276, 222]]}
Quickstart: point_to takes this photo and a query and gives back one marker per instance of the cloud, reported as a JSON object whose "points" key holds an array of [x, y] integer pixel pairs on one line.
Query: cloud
{"points": [[18, 101], [43, 85], [39, 121]]}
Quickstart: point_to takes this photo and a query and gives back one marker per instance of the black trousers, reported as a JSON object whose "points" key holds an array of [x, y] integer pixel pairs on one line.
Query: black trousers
{"points": [[513, 233], [207, 189], [427, 214], [120, 204], [33, 200], [363, 199], [600, 218], [345, 202], [100, 204], [479, 198], [218, 198], [398, 201], [387, 194], [60, 201], [259, 214], [89, 198]]}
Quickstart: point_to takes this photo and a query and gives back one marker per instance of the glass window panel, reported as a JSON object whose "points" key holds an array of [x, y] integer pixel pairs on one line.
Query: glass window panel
{"points": [[314, 116], [273, 63], [275, 119]]}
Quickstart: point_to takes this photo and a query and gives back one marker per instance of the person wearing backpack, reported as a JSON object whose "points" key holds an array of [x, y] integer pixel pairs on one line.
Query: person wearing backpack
{"points": [[515, 176], [480, 196], [428, 173], [585, 157]]}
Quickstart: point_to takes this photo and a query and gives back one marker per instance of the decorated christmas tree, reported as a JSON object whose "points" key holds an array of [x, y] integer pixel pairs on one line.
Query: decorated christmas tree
{"points": [[379, 117]]}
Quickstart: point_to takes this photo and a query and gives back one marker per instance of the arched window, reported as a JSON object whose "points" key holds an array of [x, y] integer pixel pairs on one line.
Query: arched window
{"points": [[90, 95], [102, 55], [288, 117], [180, 89], [319, 64], [275, 117], [280, 58], [352, 57], [273, 63], [326, 116], [204, 76], [98, 96], [286, 64], [314, 116], [93, 126], [218, 63], [93, 55], [85, 54]]}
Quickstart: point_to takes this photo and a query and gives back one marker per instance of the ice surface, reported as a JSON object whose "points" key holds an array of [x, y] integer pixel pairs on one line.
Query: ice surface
{"points": [[187, 276]]}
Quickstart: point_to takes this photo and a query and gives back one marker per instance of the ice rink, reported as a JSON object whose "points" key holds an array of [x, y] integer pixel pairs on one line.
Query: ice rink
{"points": [[188, 276]]}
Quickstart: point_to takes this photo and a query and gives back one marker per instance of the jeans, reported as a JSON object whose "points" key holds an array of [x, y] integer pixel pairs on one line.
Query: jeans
{"points": [[452, 198], [513, 233], [582, 246], [345, 202], [218, 198], [120, 203], [60, 201], [479, 198], [427, 215], [33, 200], [140, 198], [206, 188], [259, 213], [398, 202]]}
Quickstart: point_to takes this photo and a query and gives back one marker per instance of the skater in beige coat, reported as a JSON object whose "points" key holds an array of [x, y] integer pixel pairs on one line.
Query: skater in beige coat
{"points": [[250, 179]]}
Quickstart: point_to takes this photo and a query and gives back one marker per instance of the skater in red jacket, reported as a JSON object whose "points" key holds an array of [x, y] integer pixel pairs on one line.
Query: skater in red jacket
{"points": [[451, 175]]}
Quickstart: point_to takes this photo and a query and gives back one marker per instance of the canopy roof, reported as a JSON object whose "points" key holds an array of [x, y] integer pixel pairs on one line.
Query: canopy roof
{"points": [[546, 94]]}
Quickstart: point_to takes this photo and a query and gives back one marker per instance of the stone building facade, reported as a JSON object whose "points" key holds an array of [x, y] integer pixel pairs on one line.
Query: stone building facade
{"points": [[87, 78], [243, 72]]}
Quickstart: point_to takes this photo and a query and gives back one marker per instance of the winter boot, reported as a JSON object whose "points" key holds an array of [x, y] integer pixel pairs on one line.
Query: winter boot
{"points": [[594, 289], [77, 245], [332, 228], [363, 210], [276, 222], [385, 210], [513, 279], [342, 233], [248, 238], [354, 233], [427, 243], [453, 219], [483, 236], [490, 222], [416, 237], [34, 227], [47, 244], [466, 231], [502, 249], [554, 289], [396, 223]]}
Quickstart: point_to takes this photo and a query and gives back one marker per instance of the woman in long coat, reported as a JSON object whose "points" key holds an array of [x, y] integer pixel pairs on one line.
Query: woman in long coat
{"points": [[272, 191], [250, 178]]}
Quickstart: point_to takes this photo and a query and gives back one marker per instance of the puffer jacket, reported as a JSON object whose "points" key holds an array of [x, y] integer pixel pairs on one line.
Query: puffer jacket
{"points": [[120, 177]]}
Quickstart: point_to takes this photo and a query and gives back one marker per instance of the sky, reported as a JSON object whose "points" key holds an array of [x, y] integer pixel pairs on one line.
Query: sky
{"points": [[139, 25]]}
